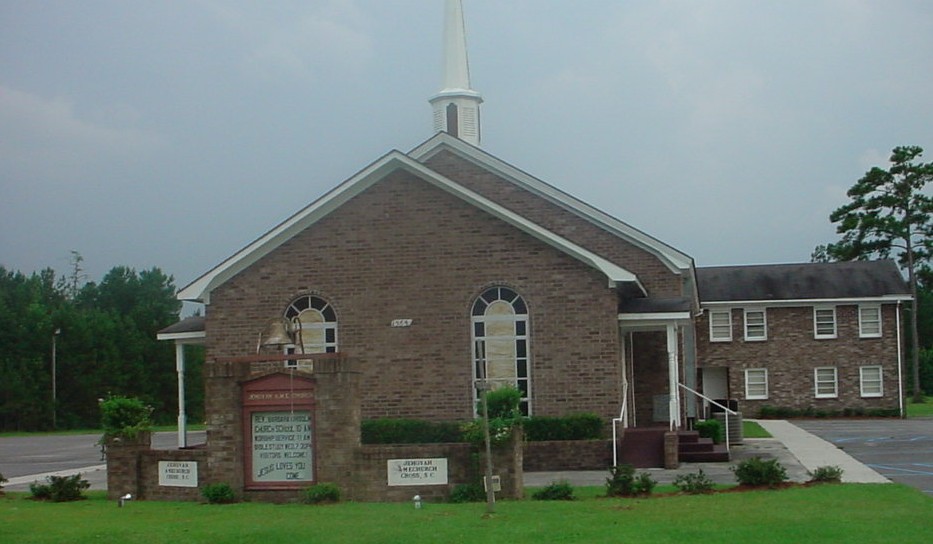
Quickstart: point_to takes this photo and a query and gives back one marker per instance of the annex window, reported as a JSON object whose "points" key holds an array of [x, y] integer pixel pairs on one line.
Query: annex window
{"points": [[318, 323], [869, 321], [825, 382], [756, 383], [501, 342], [870, 381], [720, 325], [756, 325], [824, 322]]}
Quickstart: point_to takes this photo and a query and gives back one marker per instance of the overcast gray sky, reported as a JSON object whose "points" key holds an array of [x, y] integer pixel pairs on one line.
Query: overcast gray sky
{"points": [[172, 133]]}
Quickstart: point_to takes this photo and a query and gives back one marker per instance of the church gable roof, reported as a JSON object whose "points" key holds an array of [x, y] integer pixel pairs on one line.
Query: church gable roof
{"points": [[675, 260], [200, 289], [851, 280]]}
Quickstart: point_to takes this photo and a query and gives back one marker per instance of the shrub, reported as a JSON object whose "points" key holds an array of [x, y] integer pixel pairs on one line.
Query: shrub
{"points": [[694, 484], [758, 473], [59, 488], [827, 474], [124, 417], [710, 428], [644, 484], [621, 481], [322, 493], [2, 481], [468, 493], [573, 427], [219, 493], [503, 403], [409, 431], [555, 491]]}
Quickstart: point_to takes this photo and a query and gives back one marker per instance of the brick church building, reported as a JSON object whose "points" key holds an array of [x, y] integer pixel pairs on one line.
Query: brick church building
{"points": [[432, 267]]}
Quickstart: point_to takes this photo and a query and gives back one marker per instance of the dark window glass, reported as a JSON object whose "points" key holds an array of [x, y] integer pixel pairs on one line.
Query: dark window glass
{"points": [[480, 307], [507, 295], [329, 314], [523, 387], [519, 306], [331, 349], [520, 328], [330, 336], [522, 368], [479, 329], [521, 347]]}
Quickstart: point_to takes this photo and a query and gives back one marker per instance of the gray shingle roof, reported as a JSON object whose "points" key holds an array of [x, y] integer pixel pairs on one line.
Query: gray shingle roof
{"points": [[194, 323], [851, 279]]}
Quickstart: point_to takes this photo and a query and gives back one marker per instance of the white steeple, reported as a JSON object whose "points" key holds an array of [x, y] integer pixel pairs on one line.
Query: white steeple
{"points": [[456, 106]]}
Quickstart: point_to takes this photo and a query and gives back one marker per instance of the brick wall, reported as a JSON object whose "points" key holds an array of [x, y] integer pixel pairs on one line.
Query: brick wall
{"points": [[791, 354], [553, 455], [404, 249]]}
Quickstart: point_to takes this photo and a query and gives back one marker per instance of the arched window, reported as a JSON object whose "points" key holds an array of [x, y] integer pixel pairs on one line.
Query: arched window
{"points": [[500, 342], [318, 323]]}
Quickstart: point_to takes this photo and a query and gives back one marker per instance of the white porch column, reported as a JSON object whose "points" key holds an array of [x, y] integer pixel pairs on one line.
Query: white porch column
{"points": [[673, 372], [182, 417]]}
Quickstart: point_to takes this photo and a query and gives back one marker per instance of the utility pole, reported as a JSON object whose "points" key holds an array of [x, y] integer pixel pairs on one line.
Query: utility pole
{"points": [[54, 381]]}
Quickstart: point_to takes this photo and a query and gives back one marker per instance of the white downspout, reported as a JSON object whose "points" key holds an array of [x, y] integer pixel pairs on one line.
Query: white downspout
{"points": [[900, 362]]}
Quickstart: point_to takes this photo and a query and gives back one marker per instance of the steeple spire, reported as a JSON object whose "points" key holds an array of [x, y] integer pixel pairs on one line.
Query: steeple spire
{"points": [[456, 106]]}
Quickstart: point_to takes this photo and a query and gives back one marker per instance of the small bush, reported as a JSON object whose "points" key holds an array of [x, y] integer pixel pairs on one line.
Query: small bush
{"points": [[555, 491], [827, 474], [572, 427], [503, 403], [322, 493], [694, 484], [124, 417], [710, 428], [409, 431], [219, 493], [2, 481], [759, 473], [644, 484], [59, 488], [467, 493], [621, 481]]}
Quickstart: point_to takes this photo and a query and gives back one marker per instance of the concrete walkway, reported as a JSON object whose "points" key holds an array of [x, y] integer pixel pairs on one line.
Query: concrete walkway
{"points": [[795, 449], [813, 452]]}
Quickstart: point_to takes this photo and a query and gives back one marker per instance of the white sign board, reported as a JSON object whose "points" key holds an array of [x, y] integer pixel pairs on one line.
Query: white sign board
{"points": [[178, 473], [282, 446], [417, 471]]}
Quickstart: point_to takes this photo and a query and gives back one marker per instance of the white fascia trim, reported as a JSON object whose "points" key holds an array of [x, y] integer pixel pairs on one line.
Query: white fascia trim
{"points": [[675, 260], [201, 288], [615, 273], [804, 301], [183, 337], [656, 316]]}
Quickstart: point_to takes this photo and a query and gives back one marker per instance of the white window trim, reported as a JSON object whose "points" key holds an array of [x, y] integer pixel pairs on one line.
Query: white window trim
{"points": [[764, 318], [861, 380], [816, 332], [816, 383], [712, 336], [756, 397], [861, 325]]}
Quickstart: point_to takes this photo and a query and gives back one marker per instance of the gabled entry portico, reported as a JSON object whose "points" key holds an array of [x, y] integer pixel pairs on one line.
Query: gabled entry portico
{"points": [[656, 341]]}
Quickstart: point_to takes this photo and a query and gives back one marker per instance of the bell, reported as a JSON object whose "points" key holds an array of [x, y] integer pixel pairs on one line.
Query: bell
{"points": [[279, 332]]}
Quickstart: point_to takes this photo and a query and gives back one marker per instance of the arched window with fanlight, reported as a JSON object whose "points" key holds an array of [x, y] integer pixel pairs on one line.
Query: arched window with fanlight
{"points": [[501, 342], [318, 323]]}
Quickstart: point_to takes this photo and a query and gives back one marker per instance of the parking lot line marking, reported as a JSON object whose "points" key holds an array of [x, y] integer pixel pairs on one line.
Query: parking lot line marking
{"points": [[885, 467]]}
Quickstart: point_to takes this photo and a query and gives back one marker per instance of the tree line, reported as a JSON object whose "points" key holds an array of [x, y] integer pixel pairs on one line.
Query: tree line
{"points": [[104, 338]]}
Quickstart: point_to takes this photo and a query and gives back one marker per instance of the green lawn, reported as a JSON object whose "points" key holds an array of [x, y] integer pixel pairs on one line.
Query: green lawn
{"points": [[832, 513], [751, 429], [920, 410]]}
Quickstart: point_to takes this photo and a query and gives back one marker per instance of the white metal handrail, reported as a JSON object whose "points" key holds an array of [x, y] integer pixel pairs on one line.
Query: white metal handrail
{"points": [[724, 408], [621, 419]]}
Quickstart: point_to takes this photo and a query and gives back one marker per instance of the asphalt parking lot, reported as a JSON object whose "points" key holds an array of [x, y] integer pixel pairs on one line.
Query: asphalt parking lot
{"points": [[899, 449]]}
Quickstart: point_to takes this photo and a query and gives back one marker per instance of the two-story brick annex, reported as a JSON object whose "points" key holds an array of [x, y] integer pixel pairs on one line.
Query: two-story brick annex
{"points": [[434, 268]]}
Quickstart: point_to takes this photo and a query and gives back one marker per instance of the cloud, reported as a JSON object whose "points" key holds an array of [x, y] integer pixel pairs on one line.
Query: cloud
{"points": [[302, 41], [48, 136]]}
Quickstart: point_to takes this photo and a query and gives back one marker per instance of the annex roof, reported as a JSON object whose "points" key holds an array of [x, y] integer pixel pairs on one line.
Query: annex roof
{"points": [[802, 282], [200, 289]]}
